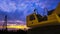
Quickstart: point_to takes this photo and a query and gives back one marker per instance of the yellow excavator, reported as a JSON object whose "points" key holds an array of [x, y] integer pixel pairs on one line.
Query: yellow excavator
{"points": [[53, 18], [49, 24]]}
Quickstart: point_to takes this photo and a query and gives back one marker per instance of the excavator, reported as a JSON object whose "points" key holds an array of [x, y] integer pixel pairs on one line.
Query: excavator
{"points": [[53, 18], [41, 24]]}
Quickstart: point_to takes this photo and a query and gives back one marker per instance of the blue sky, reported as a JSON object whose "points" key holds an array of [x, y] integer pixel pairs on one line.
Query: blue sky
{"points": [[19, 9]]}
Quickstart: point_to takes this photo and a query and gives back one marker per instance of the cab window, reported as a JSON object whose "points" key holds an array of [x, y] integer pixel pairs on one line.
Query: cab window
{"points": [[59, 15], [40, 18], [32, 17]]}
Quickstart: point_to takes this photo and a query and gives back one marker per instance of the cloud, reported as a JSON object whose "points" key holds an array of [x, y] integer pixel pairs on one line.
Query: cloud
{"points": [[24, 6], [7, 6], [21, 5]]}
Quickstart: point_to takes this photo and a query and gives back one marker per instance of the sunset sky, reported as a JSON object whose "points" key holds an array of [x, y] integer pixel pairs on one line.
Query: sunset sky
{"points": [[17, 10]]}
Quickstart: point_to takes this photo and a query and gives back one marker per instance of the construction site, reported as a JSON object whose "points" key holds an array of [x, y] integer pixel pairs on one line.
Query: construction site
{"points": [[38, 24]]}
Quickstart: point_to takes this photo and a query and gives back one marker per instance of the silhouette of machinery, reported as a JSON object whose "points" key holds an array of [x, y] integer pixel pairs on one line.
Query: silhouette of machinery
{"points": [[53, 18], [5, 23]]}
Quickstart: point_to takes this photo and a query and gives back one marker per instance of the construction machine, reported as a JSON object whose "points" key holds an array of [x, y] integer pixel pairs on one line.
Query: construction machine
{"points": [[49, 24], [53, 18]]}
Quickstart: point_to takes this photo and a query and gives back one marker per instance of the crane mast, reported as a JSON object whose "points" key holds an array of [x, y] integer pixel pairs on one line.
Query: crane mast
{"points": [[5, 23]]}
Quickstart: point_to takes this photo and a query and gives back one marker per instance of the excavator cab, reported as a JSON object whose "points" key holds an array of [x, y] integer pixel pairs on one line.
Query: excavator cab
{"points": [[35, 18], [53, 18]]}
